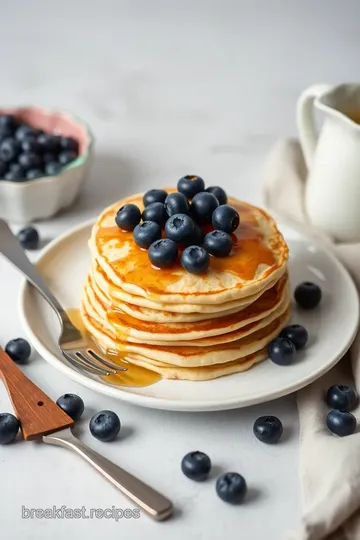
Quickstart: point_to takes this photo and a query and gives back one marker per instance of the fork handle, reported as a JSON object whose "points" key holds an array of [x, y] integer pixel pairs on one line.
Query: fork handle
{"points": [[11, 249], [150, 500]]}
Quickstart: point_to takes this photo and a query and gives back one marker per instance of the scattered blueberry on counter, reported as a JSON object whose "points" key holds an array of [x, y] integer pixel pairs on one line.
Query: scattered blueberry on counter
{"points": [[19, 350], [341, 397], [341, 423], [268, 429], [231, 487], [9, 427], [196, 465], [28, 238], [23, 149], [297, 334], [308, 295], [72, 405], [105, 426], [281, 351]]}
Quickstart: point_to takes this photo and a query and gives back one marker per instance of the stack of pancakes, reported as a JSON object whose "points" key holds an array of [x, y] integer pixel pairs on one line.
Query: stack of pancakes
{"points": [[182, 325]]}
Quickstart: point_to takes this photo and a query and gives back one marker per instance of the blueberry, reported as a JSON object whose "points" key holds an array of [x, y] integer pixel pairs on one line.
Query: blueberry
{"points": [[231, 487], [176, 203], [49, 143], [8, 121], [297, 334], [178, 227], [190, 185], [15, 174], [128, 217], [225, 218], [219, 193], [154, 195], [22, 132], [203, 206], [52, 168], [105, 426], [3, 169], [67, 156], [9, 149], [19, 350], [68, 143], [195, 259], [194, 239], [49, 157], [282, 351], [342, 397], [196, 465], [308, 295], [6, 132], [268, 429], [155, 212], [28, 238], [34, 173], [29, 160], [9, 427], [163, 253], [72, 404], [218, 243], [30, 144], [146, 233], [341, 423]]}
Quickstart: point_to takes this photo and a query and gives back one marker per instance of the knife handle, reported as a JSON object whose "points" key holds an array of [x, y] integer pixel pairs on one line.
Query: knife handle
{"points": [[155, 504]]}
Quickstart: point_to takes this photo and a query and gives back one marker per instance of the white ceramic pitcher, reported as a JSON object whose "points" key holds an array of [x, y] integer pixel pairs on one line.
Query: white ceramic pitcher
{"points": [[332, 192]]}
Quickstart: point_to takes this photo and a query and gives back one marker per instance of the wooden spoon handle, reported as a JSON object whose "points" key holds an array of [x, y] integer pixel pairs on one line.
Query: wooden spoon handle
{"points": [[37, 413]]}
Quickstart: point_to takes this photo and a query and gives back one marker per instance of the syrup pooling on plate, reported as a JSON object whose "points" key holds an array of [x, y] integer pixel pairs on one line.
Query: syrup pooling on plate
{"points": [[249, 252], [134, 376]]}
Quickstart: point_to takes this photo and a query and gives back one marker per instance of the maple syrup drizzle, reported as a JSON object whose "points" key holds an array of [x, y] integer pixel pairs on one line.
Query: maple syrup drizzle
{"points": [[134, 376], [249, 251]]}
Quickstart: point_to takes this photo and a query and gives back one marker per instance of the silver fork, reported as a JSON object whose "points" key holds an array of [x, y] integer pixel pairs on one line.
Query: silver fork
{"points": [[72, 343]]}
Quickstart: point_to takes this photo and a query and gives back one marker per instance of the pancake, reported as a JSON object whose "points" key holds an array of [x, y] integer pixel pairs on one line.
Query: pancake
{"points": [[93, 307], [182, 325], [154, 315], [117, 296], [205, 373], [127, 327], [189, 356], [258, 257]]}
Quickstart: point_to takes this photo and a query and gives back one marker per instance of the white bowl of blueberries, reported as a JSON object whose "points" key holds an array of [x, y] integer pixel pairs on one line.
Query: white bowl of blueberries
{"points": [[44, 158]]}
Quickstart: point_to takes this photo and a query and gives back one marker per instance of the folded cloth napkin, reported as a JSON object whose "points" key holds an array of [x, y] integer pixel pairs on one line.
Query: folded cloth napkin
{"points": [[329, 465]]}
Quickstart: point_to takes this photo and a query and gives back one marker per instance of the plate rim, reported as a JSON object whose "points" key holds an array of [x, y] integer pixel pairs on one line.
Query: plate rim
{"points": [[166, 403]]}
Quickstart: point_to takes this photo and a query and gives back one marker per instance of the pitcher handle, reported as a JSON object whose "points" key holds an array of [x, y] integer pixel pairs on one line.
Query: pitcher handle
{"points": [[305, 119]]}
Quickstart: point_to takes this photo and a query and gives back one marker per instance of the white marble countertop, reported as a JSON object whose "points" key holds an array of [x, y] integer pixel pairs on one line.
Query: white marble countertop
{"points": [[169, 88]]}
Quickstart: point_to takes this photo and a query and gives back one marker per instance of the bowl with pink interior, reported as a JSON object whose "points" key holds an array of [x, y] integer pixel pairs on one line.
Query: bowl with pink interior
{"points": [[44, 159]]}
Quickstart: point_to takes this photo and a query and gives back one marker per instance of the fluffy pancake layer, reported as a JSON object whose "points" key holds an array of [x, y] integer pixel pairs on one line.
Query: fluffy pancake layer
{"points": [[181, 325]]}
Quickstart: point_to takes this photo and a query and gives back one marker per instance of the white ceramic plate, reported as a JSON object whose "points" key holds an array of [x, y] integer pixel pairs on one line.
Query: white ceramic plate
{"points": [[332, 327]]}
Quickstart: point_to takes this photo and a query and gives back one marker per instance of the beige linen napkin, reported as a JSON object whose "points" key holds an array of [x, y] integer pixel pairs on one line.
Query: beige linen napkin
{"points": [[329, 465]]}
